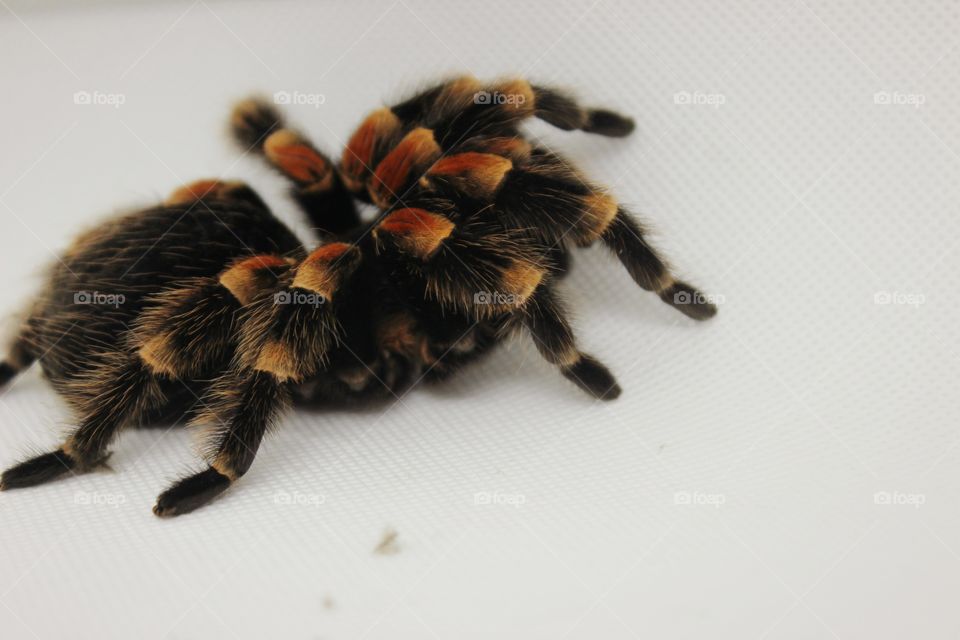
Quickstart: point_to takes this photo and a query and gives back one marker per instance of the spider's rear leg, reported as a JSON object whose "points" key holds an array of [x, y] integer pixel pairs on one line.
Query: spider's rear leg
{"points": [[546, 320], [185, 331], [119, 390], [19, 357], [317, 185]]}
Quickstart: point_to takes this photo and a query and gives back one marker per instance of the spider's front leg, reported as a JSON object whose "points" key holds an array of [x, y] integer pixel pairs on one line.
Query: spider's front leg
{"points": [[487, 275], [545, 197], [285, 338], [546, 320], [317, 185], [249, 403]]}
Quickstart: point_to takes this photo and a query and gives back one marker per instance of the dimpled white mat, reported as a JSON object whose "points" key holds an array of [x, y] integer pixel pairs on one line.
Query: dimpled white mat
{"points": [[789, 469]]}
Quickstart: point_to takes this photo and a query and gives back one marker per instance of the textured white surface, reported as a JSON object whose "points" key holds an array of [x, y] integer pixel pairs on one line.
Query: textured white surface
{"points": [[797, 199]]}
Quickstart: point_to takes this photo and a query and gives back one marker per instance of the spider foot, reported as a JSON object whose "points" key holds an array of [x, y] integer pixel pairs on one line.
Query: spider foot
{"points": [[688, 301], [593, 377], [46, 467], [190, 493]]}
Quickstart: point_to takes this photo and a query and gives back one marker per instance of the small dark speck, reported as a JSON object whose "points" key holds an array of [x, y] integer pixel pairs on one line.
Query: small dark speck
{"points": [[388, 544]]}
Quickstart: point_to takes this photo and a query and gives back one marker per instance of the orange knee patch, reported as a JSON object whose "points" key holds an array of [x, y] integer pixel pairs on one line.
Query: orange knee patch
{"points": [[599, 210], [517, 149], [456, 95], [243, 279], [158, 355], [474, 174], [416, 231], [520, 280], [212, 189], [412, 155], [278, 360], [355, 165], [515, 94], [329, 252], [296, 158], [324, 269]]}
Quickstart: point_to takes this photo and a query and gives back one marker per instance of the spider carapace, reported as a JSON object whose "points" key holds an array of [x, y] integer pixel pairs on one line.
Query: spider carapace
{"points": [[209, 309]]}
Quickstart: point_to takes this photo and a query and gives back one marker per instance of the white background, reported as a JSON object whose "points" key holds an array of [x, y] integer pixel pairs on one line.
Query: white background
{"points": [[798, 200]]}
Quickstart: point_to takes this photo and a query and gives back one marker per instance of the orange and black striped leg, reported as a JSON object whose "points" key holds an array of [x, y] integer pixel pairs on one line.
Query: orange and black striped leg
{"points": [[218, 190], [118, 395], [563, 112], [19, 357], [248, 404], [317, 185], [545, 319], [403, 167], [625, 237], [245, 401]]}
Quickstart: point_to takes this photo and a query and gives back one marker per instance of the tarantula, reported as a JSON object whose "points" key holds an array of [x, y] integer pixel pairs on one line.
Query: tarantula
{"points": [[475, 221], [208, 306]]}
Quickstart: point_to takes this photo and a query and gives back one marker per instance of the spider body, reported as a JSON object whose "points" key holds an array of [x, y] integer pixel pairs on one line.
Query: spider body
{"points": [[219, 313]]}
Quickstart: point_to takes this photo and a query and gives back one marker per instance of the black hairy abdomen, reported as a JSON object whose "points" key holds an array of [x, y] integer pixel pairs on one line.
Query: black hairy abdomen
{"points": [[126, 259]]}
